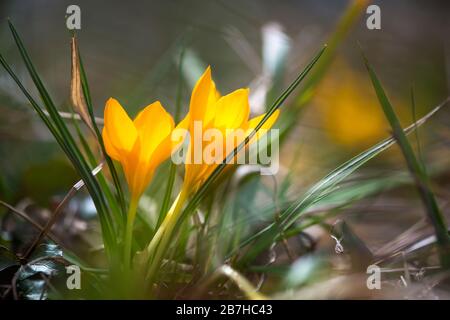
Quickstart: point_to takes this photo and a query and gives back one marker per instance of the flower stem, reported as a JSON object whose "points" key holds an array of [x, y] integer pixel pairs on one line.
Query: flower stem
{"points": [[131, 215], [161, 239]]}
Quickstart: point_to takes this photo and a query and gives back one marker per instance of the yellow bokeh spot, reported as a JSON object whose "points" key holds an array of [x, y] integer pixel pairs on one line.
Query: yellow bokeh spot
{"points": [[349, 108]]}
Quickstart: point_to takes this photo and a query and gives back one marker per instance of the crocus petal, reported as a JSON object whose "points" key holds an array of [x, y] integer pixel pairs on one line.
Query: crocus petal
{"points": [[162, 152], [119, 130], [133, 166], [194, 172], [211, 110], [232, 110], [110, 149], [200, 97], [185, 124], [139, 145], [214, 94], [179, 133], [154, 125], [252, 123]]}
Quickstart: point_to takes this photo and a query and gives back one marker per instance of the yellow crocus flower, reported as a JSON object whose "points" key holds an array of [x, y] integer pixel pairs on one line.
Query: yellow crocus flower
{"points": [[226, 114], [140, 145]]}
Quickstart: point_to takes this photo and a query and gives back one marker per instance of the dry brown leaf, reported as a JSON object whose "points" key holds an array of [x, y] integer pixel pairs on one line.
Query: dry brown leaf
{"points": [[76, 90]]}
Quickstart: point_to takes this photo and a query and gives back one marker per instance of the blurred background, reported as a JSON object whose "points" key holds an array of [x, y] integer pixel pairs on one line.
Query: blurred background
{"points": [[131, 49]]}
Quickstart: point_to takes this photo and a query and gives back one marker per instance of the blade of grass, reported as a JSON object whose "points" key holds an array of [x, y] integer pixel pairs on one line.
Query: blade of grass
{"points": [[109, 162], [349, 18], [34, 104], [421, 178], [342, 29], [413, 111], [112, 201], [118, 200], [173, 168]]}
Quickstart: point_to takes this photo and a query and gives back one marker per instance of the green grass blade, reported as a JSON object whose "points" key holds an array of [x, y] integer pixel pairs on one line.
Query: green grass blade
{"points": [[33, 103], [345, 24], [421, 178], [112, 201], [173, 167], [413, 111], [342, 29], [109, 162]]}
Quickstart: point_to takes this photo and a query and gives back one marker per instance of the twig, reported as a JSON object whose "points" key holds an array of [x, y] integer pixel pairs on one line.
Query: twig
{"points": [[71, 115], [50, 222], [24, 216]]}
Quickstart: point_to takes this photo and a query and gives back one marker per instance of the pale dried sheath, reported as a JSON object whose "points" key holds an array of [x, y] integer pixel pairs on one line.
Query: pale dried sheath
{"points": [[76, 90]]}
